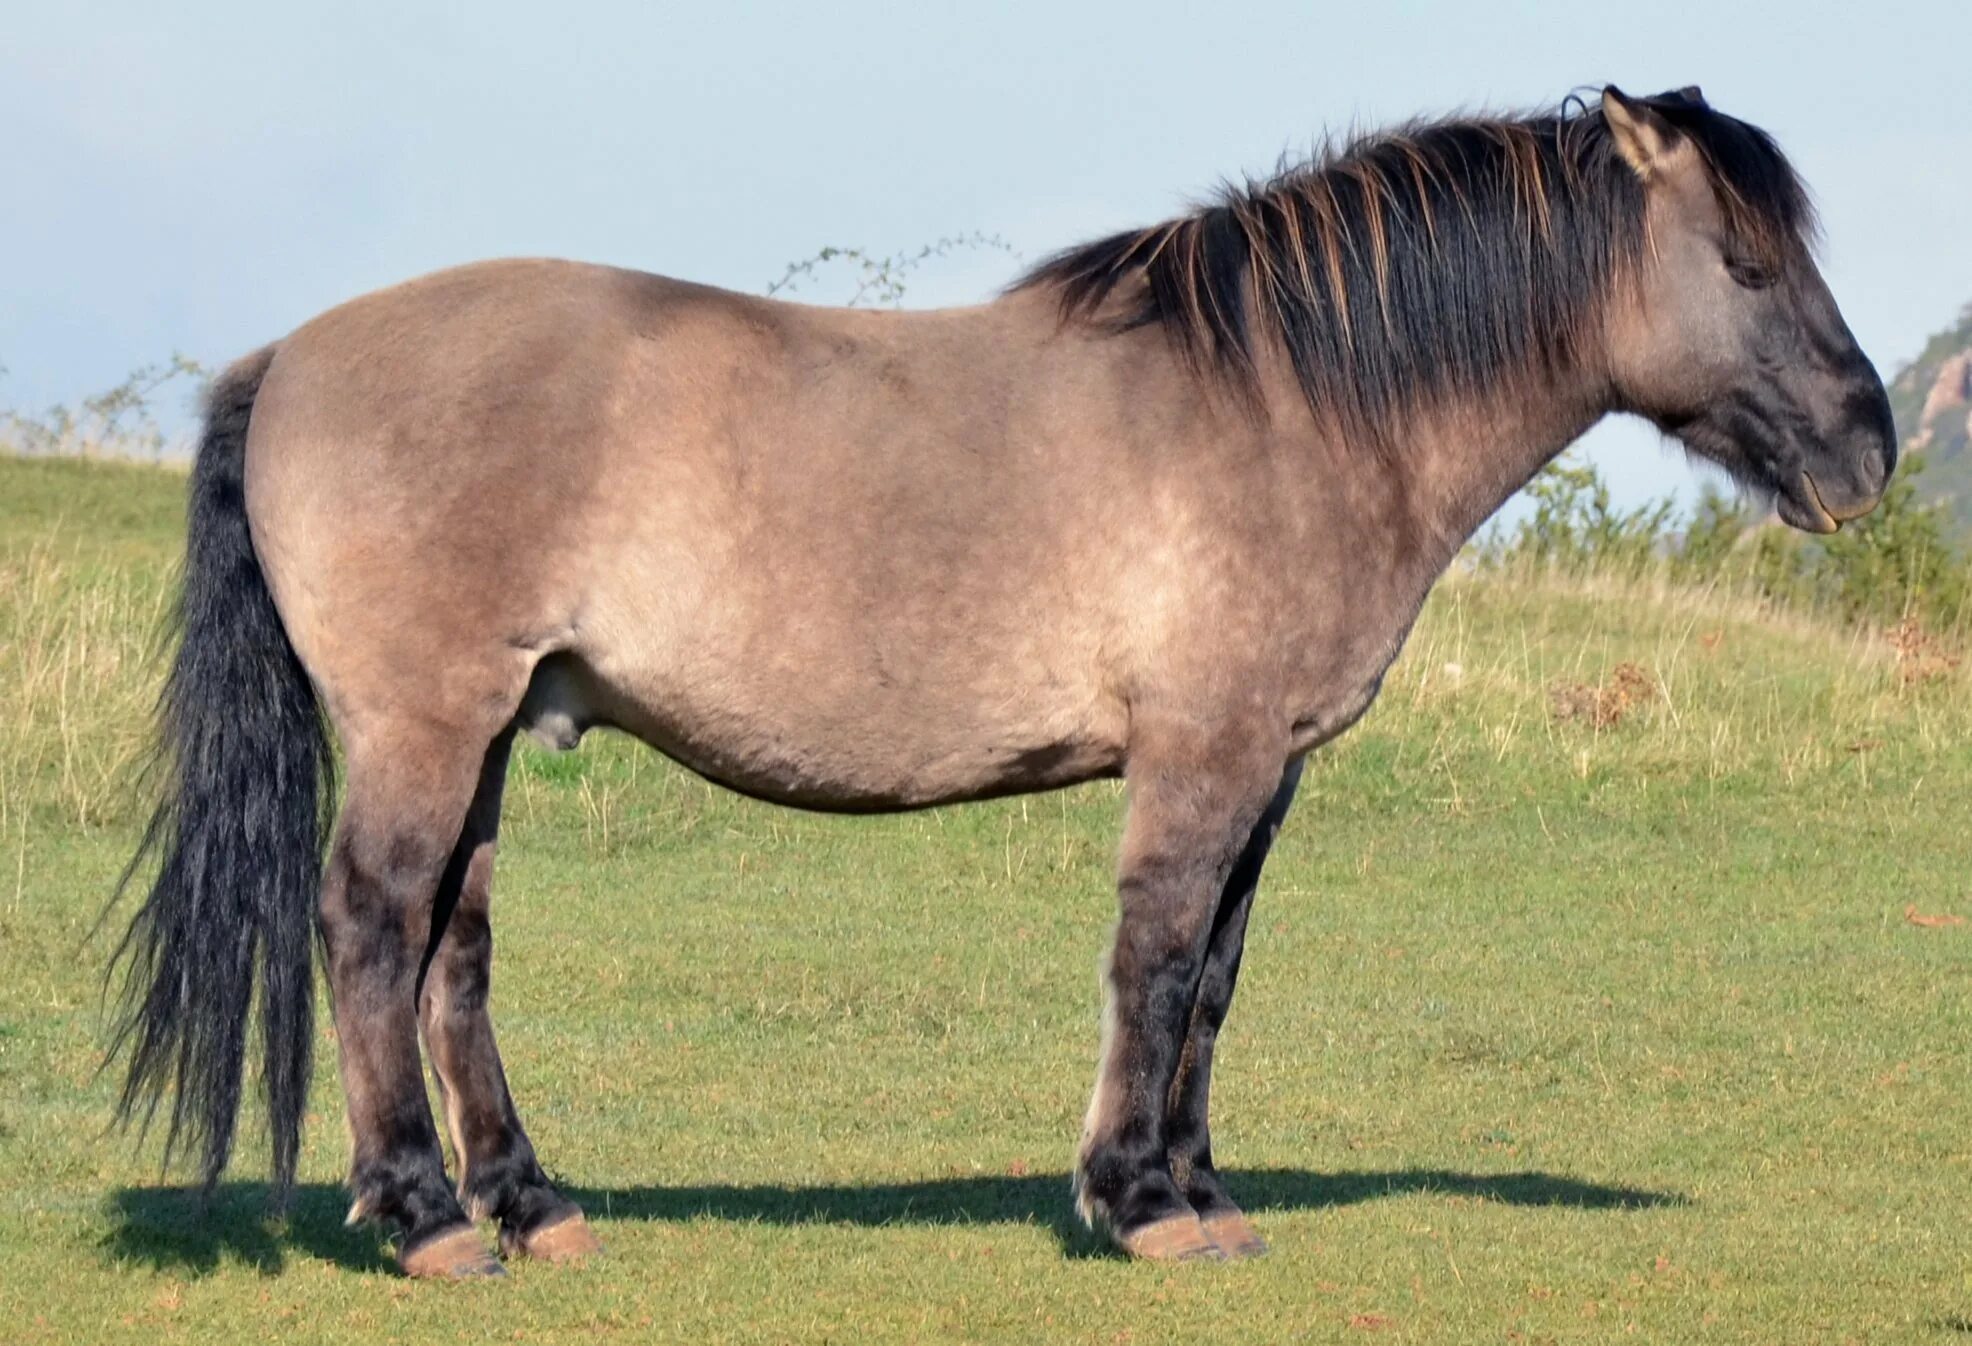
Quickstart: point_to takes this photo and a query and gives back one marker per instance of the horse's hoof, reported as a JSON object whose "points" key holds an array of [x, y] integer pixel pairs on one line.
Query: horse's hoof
{"points": [[1176, 1238], [1234, 1235], [565, 1240], [457, 1256]]}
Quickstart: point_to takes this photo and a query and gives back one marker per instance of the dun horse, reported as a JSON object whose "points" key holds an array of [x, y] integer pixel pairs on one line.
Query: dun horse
{"points": [[1165, 510]]}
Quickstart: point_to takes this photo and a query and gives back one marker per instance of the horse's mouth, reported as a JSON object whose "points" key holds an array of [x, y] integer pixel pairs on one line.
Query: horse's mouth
{"points": [[1800, 506]]}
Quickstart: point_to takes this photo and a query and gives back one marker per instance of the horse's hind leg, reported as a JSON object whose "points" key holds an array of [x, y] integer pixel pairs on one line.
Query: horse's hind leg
{"points": [[1188, 1135], [1195, 797], [410, 784], [499, 1176]]}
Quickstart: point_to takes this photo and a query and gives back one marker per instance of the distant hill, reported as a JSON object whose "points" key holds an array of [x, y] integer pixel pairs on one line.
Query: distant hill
{"points": [[1932, 399]]}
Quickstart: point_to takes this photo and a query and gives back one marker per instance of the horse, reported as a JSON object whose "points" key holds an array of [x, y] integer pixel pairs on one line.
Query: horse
{"points": [[1165, 510]]}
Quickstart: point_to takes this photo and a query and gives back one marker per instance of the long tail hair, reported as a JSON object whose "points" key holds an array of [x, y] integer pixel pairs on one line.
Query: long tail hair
{"points": [[236, 840]]}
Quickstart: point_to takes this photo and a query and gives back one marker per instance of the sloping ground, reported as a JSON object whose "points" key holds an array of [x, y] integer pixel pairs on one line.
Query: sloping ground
{"points": [[1604, 987]]}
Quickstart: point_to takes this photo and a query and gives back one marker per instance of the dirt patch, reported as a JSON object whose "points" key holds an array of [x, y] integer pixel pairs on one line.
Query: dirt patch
{"points": [[1922, 656], [1628, 689]]}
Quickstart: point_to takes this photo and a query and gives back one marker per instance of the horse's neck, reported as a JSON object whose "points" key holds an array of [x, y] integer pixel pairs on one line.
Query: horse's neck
{"points": [[1449, 466], [1463, 462]]}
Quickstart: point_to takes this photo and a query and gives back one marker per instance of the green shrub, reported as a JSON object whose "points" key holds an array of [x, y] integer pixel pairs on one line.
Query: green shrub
{"points": [[1899, 562]]}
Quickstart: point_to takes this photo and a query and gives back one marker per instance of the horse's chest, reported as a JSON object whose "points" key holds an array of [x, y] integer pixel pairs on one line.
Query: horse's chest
{"points": [[1337, 705], [1341, 669]]}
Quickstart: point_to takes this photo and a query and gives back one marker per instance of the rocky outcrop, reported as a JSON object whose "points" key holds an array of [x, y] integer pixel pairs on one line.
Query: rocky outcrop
{"points": [[1932, 401], [1951, 392]]}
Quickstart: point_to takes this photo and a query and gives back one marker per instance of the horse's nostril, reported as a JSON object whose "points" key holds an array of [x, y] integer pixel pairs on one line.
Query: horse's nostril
{"points": [[1876, 465]]}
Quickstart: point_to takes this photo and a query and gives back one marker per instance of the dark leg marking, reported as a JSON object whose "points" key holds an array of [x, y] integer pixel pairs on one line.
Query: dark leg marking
{"points": [[1194, 802], [499, 1176], [403, 813], [1187, 1129]]}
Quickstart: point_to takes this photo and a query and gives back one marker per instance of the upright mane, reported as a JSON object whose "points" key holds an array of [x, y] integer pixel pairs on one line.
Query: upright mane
{"points": [[1435, 258]]}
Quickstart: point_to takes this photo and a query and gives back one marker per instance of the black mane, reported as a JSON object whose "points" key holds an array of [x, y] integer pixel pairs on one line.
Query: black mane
{"points": [[1436, 258]]}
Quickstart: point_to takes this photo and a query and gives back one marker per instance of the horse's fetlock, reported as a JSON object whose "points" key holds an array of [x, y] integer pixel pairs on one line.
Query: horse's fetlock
{"points": [[1118, 1188]]}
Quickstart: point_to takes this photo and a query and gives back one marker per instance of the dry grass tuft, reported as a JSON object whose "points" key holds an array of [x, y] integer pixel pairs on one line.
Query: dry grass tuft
{"points": [[79, 681]]}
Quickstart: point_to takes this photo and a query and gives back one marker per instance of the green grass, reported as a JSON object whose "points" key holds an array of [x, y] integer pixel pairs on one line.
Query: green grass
{"points": [[1547, 1032]]}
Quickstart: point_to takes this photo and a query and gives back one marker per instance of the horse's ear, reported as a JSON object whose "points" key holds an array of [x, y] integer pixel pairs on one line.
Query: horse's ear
{"points": [[1642, 136], [1691, 93]]}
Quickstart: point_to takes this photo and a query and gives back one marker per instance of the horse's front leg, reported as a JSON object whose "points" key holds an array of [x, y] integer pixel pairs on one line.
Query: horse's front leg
{"points": [[1188, 1133], [1196, 793]]}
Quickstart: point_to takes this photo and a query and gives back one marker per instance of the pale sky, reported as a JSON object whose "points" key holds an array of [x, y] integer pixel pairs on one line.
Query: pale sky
{"points": [[204, 176]]}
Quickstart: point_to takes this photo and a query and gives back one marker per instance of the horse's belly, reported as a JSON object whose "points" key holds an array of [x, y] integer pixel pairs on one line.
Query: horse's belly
{"points": [[815, 745]]}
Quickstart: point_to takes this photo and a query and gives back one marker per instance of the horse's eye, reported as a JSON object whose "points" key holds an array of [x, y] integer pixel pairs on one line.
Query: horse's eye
{"points": [[1751, 275]]}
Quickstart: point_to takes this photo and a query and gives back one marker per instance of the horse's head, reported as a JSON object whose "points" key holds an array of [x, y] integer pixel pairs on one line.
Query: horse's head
{"points": [[1730, 340]]}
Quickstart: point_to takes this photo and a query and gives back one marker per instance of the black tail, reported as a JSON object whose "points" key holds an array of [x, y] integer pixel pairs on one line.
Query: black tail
{"points": [[237, 837]]}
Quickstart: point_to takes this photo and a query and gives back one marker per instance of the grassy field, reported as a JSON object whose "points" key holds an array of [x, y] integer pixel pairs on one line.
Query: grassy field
{"points": [[1583, 1003]]}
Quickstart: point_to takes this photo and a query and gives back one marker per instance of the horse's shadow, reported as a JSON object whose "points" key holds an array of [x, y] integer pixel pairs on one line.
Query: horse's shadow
{"points": [[172, 1228]]}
